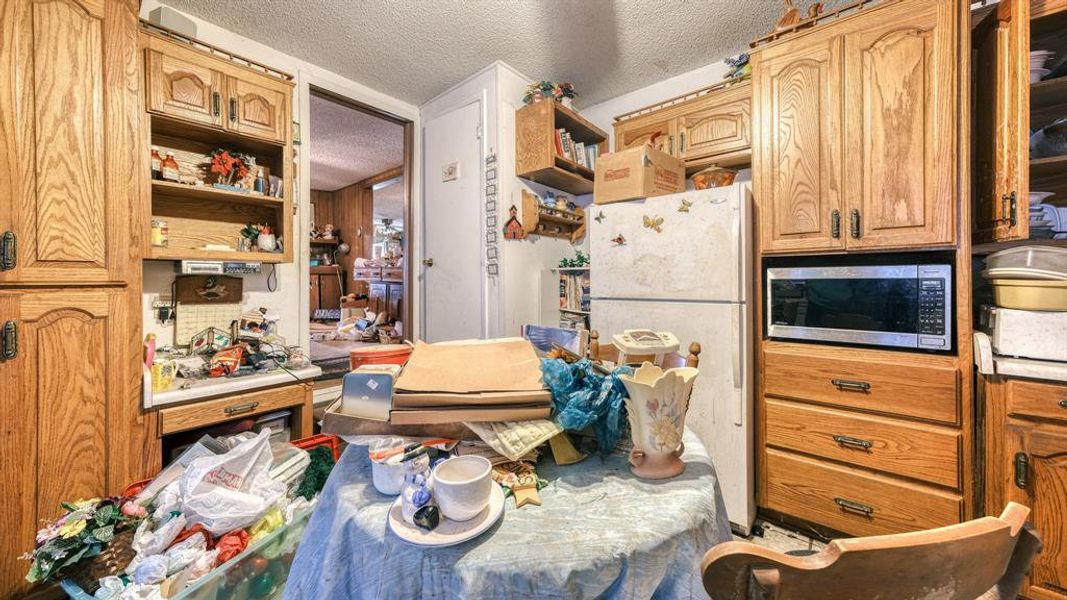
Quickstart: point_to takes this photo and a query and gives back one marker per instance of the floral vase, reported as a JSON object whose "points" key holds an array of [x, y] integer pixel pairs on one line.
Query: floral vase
{"points": [[266, 242], [656, 407]]}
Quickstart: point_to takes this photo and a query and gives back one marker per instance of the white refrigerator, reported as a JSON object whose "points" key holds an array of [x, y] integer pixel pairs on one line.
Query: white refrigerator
{"points": [[683, 264]]}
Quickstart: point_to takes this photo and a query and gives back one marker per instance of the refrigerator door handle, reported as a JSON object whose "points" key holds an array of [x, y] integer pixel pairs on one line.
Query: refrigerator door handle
{"points": [[737, 357]]}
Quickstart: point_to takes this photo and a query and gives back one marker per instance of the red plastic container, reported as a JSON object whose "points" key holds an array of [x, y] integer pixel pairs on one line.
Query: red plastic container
{"points": [[331, 441], [382, 354]]}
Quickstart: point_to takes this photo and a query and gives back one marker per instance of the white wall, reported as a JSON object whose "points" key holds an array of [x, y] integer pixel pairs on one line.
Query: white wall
{"points": [[290, 301]]}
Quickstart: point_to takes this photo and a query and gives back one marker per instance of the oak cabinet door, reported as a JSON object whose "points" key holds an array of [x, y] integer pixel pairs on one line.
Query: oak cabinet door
{"points": [[637, 132], [722, 126], [183, 88], [396, 301], [313, 291], [797, 145], [1001, 85], [70, 138], [900, 93], [257, 109], [329, 291], [60, 397], [1039, 454]]}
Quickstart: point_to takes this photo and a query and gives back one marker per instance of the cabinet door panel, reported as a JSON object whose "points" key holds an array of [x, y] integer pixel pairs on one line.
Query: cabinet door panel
{"points": [[900, 106], [1002, 123], [71, 112], [184, 89], [1046, 494], [722, 127], [797, 150], [638, 132], [378, 297], [396, 299], [314, 292], [257, 109], [329, 291]]}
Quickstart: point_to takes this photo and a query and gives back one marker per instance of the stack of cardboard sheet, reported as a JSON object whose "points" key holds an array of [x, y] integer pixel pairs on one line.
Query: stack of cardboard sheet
{"points": [[480, 381]]}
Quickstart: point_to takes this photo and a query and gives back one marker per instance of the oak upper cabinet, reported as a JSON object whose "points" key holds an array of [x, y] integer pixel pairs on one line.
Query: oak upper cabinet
{"points": [[900, 92], [187, 84], [258, 107], [638, 131], [183, 87], [1001, 84], [69, 144], [63, 394], [716, 124], [797, 150]]}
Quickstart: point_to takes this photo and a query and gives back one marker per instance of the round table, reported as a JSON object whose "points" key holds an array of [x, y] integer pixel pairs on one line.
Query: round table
{"points": [[600, 533]]}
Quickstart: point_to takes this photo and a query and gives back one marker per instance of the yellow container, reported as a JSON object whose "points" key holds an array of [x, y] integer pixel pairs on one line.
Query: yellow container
{"points": [[1030, 294]]}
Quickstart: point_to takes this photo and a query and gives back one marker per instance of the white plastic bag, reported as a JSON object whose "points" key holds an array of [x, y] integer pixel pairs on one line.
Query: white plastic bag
{"points": [[232, 490], [148, 543]]}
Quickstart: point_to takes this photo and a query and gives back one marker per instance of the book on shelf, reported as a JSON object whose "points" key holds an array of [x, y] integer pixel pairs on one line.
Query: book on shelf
{"points": [[577, 152], [574, 291], [580, 155]]}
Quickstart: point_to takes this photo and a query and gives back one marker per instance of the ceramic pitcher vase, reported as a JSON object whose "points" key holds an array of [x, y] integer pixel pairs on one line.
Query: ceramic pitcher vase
{"points": [[656, 409]]}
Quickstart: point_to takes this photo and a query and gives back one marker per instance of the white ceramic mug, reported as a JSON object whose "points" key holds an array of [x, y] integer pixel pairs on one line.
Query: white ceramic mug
{"points": [[461, 486]]}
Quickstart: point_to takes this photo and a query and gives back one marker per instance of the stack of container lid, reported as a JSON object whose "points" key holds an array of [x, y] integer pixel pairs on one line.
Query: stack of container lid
{"points": [[1029, 278]]}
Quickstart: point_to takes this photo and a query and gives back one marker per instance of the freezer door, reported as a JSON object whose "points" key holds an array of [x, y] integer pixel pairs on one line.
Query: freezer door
{"points": [[720, 409], [688, 246]]}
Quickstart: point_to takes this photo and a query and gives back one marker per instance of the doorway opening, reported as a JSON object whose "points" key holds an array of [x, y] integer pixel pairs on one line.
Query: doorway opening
{"points": [[359, 283]]}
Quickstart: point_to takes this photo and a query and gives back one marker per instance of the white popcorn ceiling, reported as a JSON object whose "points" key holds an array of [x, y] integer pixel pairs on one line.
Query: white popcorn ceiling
{"points": [[416, 49], [347, 145]]}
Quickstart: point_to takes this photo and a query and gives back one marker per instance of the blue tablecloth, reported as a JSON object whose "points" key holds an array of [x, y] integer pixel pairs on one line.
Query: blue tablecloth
{"points": [[600, 533]]}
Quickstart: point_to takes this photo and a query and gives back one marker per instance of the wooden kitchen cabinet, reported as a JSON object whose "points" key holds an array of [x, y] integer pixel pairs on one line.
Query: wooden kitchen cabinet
{"points": [[857, 131], [258, 107], [325, 288], [70, 109], [378, 297], [716, 124], [900, 91], [183, 88], [639, 131], [1026, 462], [797, 153]]}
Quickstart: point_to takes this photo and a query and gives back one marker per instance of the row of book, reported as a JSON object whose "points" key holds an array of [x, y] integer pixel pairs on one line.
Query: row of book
{"points": [[579, 152], [574, 291]]}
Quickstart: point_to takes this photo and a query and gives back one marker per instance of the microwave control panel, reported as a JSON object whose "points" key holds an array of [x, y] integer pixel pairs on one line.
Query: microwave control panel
{"points": [[932, 306]]}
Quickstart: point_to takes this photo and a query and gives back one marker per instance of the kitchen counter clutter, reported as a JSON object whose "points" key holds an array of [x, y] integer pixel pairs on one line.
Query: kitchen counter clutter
{"points": [[187, 390]]}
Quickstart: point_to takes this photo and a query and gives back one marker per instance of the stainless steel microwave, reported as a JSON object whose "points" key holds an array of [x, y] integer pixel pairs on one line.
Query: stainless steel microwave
{"points": [[899, 306]]}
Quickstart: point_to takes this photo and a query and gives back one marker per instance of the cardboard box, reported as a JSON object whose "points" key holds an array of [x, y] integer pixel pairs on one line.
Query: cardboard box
{"points": [[637, 173]]}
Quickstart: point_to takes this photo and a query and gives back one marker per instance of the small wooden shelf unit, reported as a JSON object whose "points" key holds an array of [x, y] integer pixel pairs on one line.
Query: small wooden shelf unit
{"points": [[536, 158], [538, 219]]}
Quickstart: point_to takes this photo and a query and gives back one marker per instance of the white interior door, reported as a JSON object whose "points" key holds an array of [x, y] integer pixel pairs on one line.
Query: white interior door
{"points": [[452, 270]]}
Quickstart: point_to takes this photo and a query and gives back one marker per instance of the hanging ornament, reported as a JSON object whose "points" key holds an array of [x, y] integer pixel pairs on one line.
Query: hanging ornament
{"points": [[513, 229]]}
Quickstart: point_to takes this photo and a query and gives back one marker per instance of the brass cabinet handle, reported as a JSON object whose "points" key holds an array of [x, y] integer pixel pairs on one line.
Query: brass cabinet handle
{"points": [[9, 341], [233, 110], [241, 408], [845, 384], [855, 225], [681, 143], [1063, 403], [216, 103], [845, 440], [856, 507], [8, 254], [1022, 470], [835, 224]]}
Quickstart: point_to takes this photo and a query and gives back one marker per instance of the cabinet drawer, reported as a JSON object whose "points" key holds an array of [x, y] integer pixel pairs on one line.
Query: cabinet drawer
{"points": [[925, 452], [393, 274], [1039, 400], [852, 501], [915, 386], [209, 412], [368, 274]]}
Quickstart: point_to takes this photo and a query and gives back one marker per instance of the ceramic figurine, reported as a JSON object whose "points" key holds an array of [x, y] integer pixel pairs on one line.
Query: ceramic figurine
{"points": [[790, 17], [656, 407], [416, 495]]}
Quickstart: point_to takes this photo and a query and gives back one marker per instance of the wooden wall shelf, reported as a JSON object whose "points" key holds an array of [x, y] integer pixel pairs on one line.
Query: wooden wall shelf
{"points": [[538, 219], [194, 254], [205, 192], [536, 158]]}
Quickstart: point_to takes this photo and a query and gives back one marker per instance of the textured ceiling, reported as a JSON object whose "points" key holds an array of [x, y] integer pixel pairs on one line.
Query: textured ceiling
{"points": [[348, 145], [389, 203], [416, 49]]}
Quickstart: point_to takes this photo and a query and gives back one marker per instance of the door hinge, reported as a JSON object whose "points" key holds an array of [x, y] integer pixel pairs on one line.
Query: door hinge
{"points": [[9, 341], [1009, 206], [8, 251], [1022, 470]]}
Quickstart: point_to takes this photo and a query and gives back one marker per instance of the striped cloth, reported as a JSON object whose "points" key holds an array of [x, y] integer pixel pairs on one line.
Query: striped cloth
{"points": [[600, 533]]}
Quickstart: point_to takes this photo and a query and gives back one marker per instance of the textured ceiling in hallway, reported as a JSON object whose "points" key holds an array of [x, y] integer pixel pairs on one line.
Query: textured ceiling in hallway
{"points": [[416, 49], [349, 145]]}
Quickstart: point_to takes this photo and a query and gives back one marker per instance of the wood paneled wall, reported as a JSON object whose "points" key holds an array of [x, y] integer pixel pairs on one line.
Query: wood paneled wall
{"points": [[325, 208], [351, 209]]}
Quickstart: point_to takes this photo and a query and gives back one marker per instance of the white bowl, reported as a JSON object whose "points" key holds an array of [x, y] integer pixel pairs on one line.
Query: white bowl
{"points": [[1039, 197], [1037, 74]]}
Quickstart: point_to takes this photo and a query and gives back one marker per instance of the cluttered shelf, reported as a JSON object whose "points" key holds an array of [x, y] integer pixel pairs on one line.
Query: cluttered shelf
{"points": [[204, 192], [216, 255]]}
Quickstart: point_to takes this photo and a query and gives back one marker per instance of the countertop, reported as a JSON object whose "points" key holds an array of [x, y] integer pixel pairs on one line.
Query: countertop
{"points": [[184, 390], [989, 363]]}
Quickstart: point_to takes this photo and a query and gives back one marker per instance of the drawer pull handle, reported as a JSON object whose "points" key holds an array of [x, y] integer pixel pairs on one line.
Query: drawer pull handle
{"points": [[855, 507], [1063, 403], [845, 440], [241, 408], [844, 384]]}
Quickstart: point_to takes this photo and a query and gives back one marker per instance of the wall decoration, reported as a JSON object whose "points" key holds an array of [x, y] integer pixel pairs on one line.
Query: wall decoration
{"points": [[513, 228], [491, 252], [684, 206], [450, 172], [618, 240], [599, 217], [653, 223]]}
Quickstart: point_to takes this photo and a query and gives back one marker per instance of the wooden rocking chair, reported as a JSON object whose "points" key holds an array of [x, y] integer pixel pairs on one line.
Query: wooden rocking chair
{"points": [[608, 352], [983, 559]]}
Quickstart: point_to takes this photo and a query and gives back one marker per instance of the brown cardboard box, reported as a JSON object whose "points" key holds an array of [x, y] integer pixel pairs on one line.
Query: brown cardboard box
{"points": [[637, 173]]}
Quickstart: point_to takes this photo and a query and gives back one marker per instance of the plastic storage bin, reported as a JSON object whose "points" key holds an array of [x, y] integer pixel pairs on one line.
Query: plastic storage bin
{"points": [[1045, 260], [1030, 294], [382, 354]]}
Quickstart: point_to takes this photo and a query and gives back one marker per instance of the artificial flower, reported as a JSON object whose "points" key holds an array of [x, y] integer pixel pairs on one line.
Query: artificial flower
{"points": [[132, 509], [72, 528]]}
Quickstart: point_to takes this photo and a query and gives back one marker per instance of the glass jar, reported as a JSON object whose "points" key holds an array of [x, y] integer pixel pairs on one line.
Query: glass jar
{"points": [[160, 233]]}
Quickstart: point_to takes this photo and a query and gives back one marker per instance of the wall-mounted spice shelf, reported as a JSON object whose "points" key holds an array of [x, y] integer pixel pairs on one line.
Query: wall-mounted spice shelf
{"points": [[539, 219], [536, 158]]}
